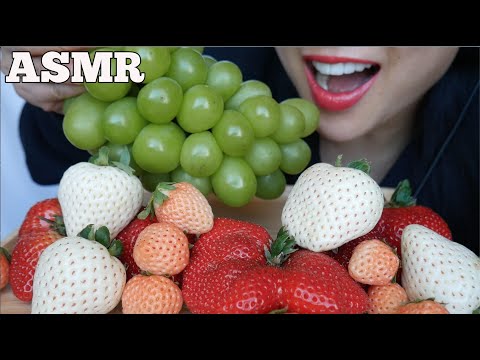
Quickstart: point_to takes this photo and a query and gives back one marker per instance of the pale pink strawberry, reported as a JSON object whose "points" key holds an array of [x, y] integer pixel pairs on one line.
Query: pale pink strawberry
{"points": [[152, 294], [373, 263], [422, 307], [181, 204], [385, 299], [161, 249]]}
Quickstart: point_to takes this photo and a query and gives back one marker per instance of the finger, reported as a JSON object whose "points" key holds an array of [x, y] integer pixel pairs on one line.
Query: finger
{"points": [[47, 96], [6, 60]]}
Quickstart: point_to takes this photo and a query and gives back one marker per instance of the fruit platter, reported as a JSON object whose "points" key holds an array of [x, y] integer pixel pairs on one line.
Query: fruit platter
{"points": [[184, 207], [267, 213]]}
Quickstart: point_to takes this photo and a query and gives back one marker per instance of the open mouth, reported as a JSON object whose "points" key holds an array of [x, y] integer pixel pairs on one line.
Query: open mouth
{"points": [[339, 83]]}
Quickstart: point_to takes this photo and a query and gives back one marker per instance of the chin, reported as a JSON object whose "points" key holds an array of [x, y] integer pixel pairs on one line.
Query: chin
{"points": [[340, 130]]}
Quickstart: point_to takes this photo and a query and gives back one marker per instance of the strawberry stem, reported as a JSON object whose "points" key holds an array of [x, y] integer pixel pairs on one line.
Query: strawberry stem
{"points": [[402, 196], [281, 248], [101, 159], [157, 199], [279, 311], [338, 161], [5, 253], [116, 248], [102, 236], [87, 233], [56, 224], [362, 164]]}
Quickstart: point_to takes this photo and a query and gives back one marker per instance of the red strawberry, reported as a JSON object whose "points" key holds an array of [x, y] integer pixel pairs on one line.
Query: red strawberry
{"points": [[315, 283], [42, 226], [230, 271], [4, 267], [33, 220], [128, 237], [398, 213], [25, 258]]}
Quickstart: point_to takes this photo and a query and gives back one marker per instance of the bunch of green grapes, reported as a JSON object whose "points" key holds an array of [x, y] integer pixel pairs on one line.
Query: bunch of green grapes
{"points": [[194, 119]]}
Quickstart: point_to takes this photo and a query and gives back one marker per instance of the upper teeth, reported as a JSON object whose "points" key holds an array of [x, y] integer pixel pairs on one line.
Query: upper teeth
{"points": [[339, 68]]}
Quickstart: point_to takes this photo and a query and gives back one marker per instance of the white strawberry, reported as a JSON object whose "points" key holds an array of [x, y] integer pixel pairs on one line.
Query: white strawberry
{"points": [[101, 194], [435, 267], [332, 205], [78, 276]]}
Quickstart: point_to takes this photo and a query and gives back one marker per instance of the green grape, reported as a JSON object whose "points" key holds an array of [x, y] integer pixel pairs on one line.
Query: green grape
{"points": [[159, 101], [173, 48], [110, 91], [234, 183], [247, 89], [225, 78], [151, 180], [82, 124], [187, 68], [115, 152], [201, 183], [157, 148], [155, 61], [295, 157], [263, 112], [197, 48], [292, 125], [310, 113], [67, 103], [209, 60], [264, 156], [201, 156], [271, 186], [233, 133], [122, 122], [200, 110]]}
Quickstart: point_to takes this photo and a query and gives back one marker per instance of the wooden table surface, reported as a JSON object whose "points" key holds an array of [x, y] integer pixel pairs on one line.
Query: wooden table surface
{"points": [[263, 212]]}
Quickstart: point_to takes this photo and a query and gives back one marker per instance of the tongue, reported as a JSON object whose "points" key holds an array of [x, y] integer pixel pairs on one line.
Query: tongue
{"points": [[348, 82]]}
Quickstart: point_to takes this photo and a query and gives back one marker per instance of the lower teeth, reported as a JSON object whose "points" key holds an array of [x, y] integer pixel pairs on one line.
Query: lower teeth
{"points": [[322, 80]]}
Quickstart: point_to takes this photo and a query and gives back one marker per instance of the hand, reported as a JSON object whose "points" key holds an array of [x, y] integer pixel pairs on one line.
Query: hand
{"points": [[47, 96]]}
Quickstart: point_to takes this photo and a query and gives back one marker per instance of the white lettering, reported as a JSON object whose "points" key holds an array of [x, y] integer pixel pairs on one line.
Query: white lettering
{"points": [[101, 65], [48, 62], [122, 67], [85, 67], [22, 64]]}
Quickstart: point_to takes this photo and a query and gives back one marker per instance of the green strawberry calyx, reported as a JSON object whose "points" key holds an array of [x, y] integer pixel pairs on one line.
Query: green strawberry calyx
{"points": [[101, 159], [102, 236], [362, 164], [402, 196], [56, 224], [5, 253], [281, 248], [159, 195]]}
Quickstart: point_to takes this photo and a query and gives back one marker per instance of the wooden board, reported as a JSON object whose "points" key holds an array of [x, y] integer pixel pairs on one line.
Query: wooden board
{"points": [[264, 212]]}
